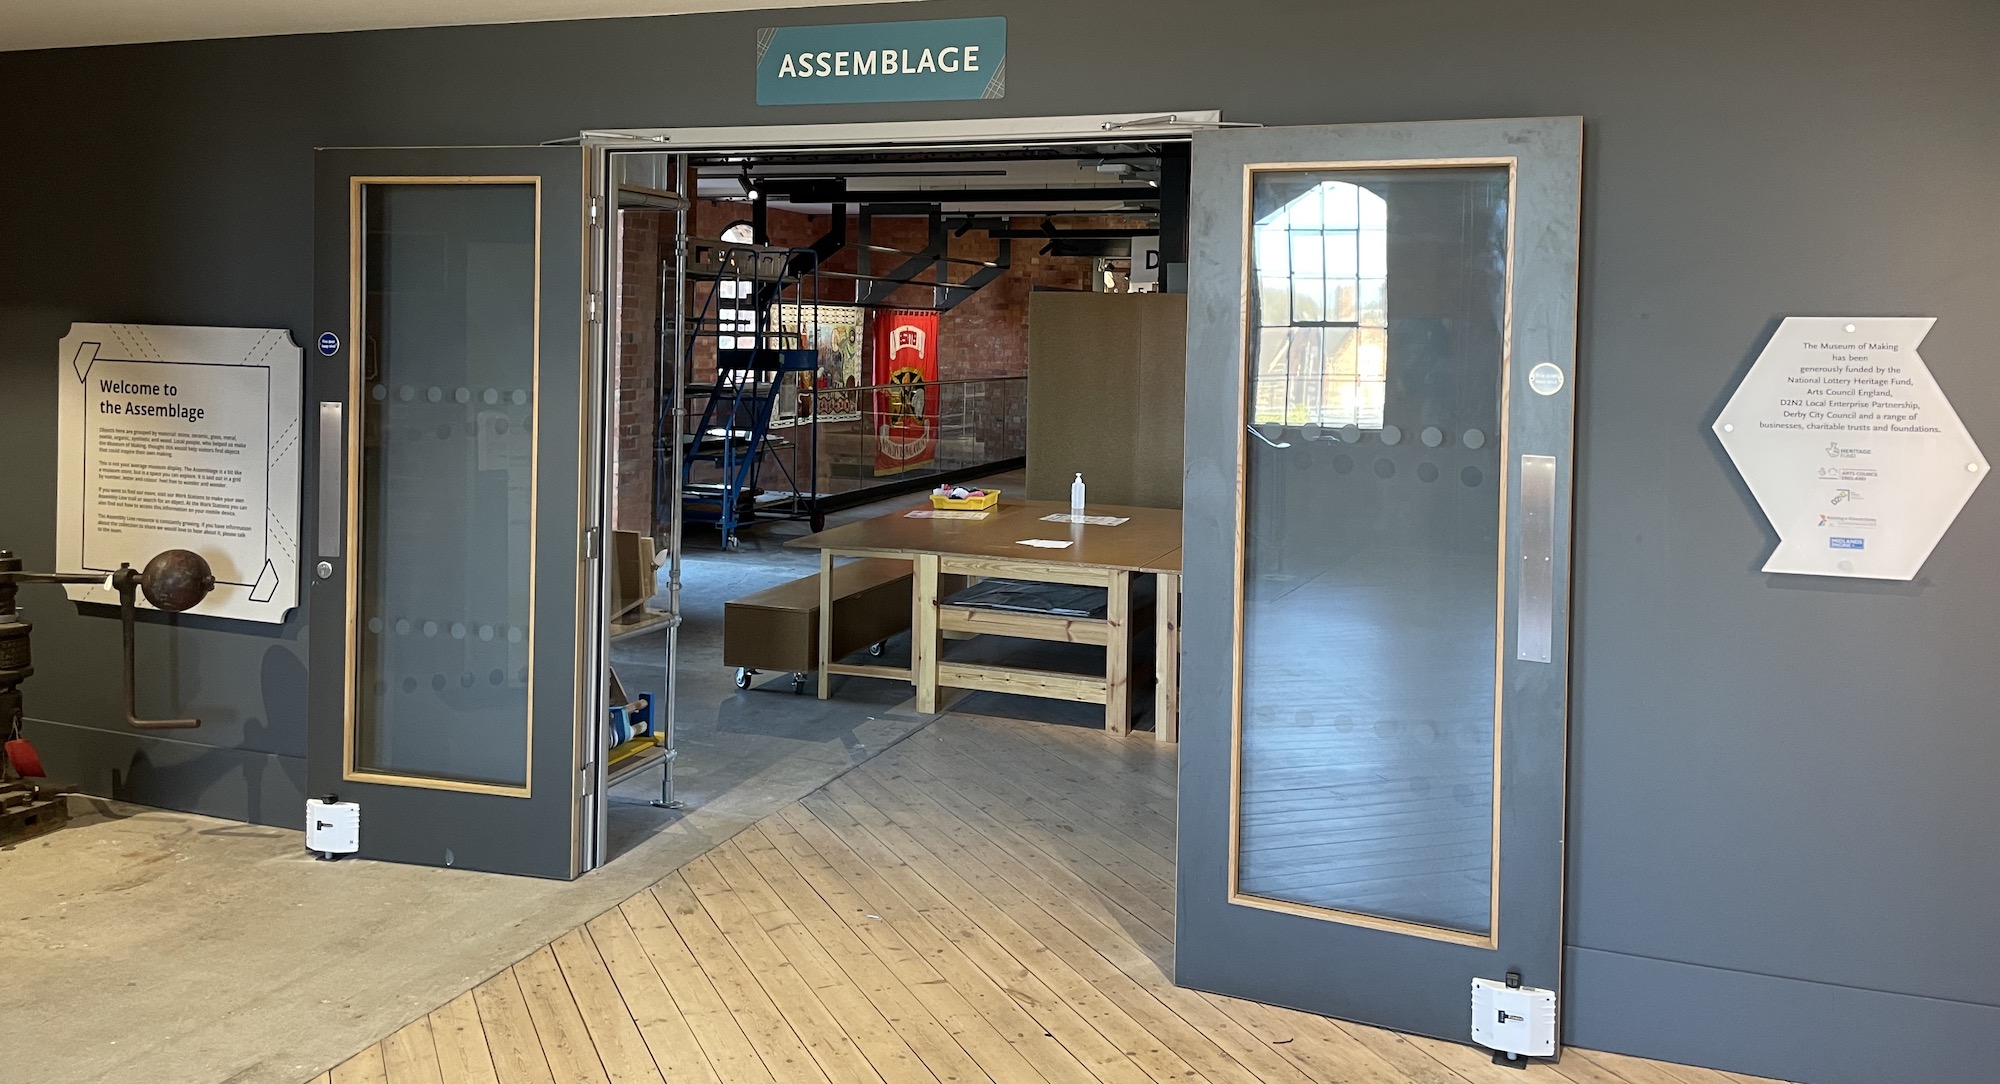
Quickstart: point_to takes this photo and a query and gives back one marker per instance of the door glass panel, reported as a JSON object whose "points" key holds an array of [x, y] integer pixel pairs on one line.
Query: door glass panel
{"points": [[443, 632], [1371, 600]]}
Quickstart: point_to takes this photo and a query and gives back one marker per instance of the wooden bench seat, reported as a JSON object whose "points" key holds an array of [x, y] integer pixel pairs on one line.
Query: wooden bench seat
{"points": [[778, 628]]}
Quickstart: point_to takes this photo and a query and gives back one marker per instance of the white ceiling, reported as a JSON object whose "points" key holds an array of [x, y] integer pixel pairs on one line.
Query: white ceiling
{"points": [[51, 24]]}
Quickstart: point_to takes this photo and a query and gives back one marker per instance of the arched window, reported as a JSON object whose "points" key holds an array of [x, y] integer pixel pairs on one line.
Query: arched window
{"points": [[731, 311], [1320, 272]]}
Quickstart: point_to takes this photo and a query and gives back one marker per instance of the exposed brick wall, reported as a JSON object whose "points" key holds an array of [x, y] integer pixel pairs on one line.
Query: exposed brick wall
{"points": [[640, 235], [985, 336]]}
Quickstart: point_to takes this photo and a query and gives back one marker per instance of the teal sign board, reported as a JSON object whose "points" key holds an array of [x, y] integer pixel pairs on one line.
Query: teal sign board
{"points": [[932, 60]]}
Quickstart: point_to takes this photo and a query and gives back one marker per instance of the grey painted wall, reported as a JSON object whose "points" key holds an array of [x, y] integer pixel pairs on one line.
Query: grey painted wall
{"points": [[1782, 789]]}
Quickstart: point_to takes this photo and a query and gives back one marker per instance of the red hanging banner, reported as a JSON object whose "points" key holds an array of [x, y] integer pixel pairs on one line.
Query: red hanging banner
{"points": [[906, 410]]}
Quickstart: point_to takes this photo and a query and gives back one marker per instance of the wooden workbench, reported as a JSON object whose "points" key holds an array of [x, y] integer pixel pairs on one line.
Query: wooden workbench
{"points": [[1098, 556]]}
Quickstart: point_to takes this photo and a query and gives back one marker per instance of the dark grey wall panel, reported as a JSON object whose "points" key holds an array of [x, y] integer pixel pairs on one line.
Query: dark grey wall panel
{"points": [[1775, 775], [149, 769], [1775, 1027]]}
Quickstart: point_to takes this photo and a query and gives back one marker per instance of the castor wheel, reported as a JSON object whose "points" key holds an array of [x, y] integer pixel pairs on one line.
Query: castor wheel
{"points": [[818, 522], [878, 647], [798, 684], [731, 544], [743, 676]]}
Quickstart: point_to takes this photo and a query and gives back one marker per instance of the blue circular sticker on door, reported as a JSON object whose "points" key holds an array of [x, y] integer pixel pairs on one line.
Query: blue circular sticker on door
{"points": [[329, 343]]}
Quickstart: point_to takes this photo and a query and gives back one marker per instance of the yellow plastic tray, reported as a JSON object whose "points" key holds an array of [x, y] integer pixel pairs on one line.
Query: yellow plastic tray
{"points": [[971, 504]]}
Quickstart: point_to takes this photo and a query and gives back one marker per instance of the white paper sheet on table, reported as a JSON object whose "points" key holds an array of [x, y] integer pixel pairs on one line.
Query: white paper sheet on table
{"points": [[1094, 521], [1046, 543]]}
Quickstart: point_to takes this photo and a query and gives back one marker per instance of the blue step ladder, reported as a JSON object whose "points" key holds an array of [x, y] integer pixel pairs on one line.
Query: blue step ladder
{"points": [[734, 432]]}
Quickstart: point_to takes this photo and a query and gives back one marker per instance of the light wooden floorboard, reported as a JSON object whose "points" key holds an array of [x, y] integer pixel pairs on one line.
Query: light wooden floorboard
{"points": [[461, 1043], [410, 1057], [988, 902]]}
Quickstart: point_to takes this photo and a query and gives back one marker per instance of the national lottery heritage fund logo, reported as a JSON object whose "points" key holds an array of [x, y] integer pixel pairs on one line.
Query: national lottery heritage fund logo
{"points": [[1837, 450]]}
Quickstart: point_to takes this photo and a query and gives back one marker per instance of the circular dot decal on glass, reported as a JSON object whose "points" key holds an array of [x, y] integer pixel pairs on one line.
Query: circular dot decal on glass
{"points": [[437, 682], [1474, 439], [1310, 431], [1343, 464], [402, 626], [521, 675], [430, 628], [406, 393], [1384, 469], [486, 632], [1419, 785], [1303, 717], [466, 679], [1464, 795], [435, 395], [463, 395], [375, 625], [1351, 434], [444, 432], [1432, 436], [514, 635], [497, 677], [410, 685], [457, 631], [1427, 472], [1343, 722], [499, 427], [490, 396], [1392, 434], [379, 392], [520, 397], [1471, 476]]}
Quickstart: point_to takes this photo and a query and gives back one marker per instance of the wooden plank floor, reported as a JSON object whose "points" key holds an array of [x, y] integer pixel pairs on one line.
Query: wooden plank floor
{"points": [[986, 901]]}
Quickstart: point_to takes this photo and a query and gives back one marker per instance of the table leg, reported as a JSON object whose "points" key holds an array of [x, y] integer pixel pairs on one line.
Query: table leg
{"points": [[924, 643], [1118, 655], [1167, 658], [825, 622]]}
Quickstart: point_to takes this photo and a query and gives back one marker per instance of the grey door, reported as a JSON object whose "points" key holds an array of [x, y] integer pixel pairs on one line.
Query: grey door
{"points": [[1382, 341], [453, 568]]}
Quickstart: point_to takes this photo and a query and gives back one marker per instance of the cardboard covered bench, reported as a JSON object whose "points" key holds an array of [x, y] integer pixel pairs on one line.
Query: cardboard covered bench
{"points": [[778, 628]]}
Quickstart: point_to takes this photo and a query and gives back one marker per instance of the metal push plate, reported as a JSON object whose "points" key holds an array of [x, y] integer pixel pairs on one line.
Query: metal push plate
{"points": [[1534, 633]]}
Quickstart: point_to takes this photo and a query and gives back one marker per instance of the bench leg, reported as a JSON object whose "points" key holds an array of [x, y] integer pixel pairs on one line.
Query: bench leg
{"points": [[924, 645], [1118, 655], [1167, 658], [825, 621]]}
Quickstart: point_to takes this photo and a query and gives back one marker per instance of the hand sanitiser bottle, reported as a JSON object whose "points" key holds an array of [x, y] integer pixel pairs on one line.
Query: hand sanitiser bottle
{"points": [[1076, 496]]}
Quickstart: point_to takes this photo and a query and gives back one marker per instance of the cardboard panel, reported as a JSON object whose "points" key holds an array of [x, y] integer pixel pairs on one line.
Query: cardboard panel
{"points": [[1106, 396]]}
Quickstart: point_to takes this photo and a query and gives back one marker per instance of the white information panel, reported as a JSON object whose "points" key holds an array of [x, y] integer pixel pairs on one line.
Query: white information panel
{"points": [[182, 438], [1850, 446]]}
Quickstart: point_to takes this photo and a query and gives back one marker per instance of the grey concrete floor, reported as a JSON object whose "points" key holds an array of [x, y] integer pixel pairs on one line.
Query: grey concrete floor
{"points": [[167, 948]]}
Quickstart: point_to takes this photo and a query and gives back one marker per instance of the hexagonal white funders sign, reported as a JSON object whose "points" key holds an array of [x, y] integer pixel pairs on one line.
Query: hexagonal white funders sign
{"points": [[1850, 446]]}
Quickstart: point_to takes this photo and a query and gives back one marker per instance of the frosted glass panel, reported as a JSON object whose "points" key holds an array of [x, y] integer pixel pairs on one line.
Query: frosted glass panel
{"points": [[447, 418], [1371, 603]]}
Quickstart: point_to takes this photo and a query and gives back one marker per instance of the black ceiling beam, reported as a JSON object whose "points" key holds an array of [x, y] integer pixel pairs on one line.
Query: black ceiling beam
{"points": [[909, 269], [807, 260], [1077, 194], [815, 190], [1076, 234], [1174, 181], [951, 293]]}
